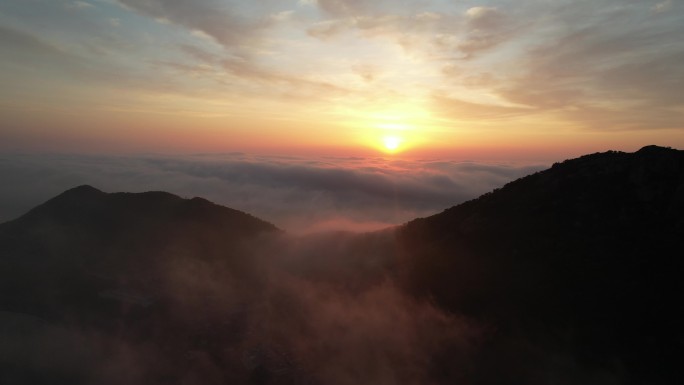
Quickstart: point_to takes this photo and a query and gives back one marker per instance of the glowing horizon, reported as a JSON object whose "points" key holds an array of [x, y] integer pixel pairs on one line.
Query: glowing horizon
{"points": [[489, 79]]}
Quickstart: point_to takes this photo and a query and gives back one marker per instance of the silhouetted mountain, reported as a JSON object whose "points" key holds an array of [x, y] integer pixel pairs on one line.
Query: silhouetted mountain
{"points": [[583, 257], [84, 242], [567, 276], [121, 268]]}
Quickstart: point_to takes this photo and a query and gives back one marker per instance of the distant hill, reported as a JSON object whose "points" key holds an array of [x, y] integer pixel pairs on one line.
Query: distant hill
{"points": [[85, 238], [88, 272], [583, 257], [571, 275]]}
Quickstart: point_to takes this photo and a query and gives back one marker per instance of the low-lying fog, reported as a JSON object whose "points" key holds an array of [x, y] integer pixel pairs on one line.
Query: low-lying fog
{"points": [[300, 195]]}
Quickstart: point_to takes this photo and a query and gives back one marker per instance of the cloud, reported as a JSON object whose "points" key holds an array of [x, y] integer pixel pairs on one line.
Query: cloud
{"points": [[300, 195], [608, 65], [18, 43], [329, 28], [600, 71], [485, 29], [209, 17], [420, 30], [593, 67], [462, 110], [484, 18], [388, 26], [80, 5], [367, 72], [38, 63], [414, 22], [662, 6], [606, 73], [215, 66], [345, 7]]}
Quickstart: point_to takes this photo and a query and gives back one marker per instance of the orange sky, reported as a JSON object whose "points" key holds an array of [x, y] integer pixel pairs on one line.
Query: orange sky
{"points": [[469, 80]]}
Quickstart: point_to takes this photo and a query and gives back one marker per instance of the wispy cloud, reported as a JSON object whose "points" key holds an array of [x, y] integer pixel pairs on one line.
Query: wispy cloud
{"points": [[217, 20], [663, 6], [605, 72]]}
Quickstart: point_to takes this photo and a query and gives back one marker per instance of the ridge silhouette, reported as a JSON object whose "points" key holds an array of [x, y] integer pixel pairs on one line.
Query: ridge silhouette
{"points": [[584, 256]]}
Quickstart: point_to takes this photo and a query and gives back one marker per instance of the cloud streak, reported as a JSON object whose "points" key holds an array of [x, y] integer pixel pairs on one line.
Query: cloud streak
{"points": [[212, 18]]}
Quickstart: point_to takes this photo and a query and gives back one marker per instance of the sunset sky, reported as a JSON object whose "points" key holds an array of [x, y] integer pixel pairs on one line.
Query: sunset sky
{"points": [[326, 114], [534, 79]]}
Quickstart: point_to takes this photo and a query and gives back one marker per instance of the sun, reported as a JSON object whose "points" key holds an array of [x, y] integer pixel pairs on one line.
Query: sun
{"points": [[391, 143]]}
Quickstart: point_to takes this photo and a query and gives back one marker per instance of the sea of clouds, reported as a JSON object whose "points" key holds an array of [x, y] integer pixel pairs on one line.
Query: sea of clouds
{"points": [[300, 195]]}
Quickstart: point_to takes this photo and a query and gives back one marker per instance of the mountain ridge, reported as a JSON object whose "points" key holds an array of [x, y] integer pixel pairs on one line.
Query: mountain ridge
{"points": [[89, 195], [571, 250]]}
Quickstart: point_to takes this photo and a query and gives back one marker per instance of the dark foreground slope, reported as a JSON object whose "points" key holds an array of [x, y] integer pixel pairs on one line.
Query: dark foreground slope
{"points": [[584, 258]]}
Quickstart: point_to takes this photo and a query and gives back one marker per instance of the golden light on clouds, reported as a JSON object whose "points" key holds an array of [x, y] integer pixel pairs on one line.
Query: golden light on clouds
{"points": [[283, 74]]}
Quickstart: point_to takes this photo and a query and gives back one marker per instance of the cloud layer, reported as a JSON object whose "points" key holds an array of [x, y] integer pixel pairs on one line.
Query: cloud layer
{"points": [[297, 194]]}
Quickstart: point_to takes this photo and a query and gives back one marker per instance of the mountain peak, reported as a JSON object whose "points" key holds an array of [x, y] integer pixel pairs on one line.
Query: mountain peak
{"points": [[87, 207], [83, 190], [653, 149]]}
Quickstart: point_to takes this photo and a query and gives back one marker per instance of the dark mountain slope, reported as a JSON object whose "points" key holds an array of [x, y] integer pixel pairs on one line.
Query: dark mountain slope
{"points": [[85, 241], [585, 256], [87, 206], [121, 287]]}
